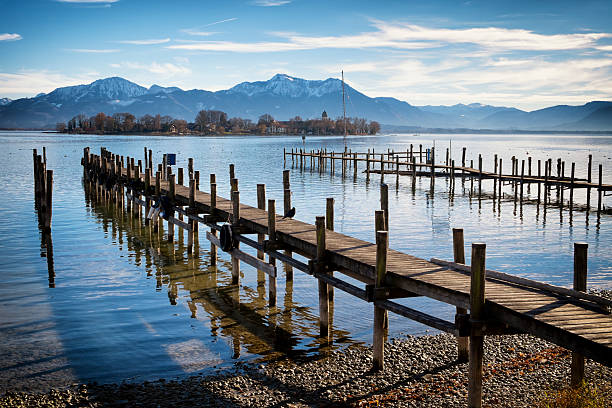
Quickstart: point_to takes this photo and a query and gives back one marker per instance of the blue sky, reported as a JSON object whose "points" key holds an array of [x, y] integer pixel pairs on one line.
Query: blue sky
{"points": [[527, 54]]}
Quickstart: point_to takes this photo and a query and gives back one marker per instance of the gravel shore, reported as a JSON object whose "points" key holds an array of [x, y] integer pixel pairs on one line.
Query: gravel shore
{"points": [[419, 372]]}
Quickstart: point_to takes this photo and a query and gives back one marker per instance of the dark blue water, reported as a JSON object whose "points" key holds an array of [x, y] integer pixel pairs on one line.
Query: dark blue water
{"points": [[126, 307]]}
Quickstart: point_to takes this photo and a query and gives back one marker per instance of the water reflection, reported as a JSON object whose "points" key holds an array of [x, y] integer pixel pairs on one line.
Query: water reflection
{"points": [[241, 314]]}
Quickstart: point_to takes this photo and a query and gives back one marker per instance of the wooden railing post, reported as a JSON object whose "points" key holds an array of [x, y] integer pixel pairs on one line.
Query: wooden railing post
{"points": [[286, 209], [171, 193], [191, 233], [459, 257], [324, 328], [477, 302], [382, 243], [580, 284], [48, 200]]}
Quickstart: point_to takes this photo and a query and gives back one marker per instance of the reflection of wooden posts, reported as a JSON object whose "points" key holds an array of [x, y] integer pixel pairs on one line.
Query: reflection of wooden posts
{"points": [[546, 173], [271, 260], [147, 192], [287, 208], [235, 223], [501, 183], [213, 206], [329, 224], [396, 172], [459, 257], [324, 328], [580, 284], [382, 242], [589, 179], [354, 165], [477, 302], [384, 204]]}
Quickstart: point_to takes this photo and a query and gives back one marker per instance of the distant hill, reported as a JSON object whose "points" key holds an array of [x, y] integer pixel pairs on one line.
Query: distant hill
{"points": [[285, 97]]}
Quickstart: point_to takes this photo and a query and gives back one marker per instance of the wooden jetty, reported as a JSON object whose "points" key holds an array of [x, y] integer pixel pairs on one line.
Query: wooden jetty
{"points": [[488, 302], [415, 164]]}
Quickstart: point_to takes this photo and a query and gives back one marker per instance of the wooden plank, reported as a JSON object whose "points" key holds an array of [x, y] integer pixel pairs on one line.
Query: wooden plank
{"points": [[530, 283]]}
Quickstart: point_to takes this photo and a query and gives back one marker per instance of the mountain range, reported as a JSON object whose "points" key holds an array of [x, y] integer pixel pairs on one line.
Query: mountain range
{"points": [[284, 97]]}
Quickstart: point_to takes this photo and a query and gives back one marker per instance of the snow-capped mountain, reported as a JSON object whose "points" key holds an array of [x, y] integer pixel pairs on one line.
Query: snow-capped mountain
{"points": [[285, 97], [114, 88], [285, 85], [5, 101]]}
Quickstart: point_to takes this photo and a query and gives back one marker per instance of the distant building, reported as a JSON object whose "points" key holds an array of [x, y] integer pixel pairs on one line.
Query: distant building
{"points": [[324, 116]]}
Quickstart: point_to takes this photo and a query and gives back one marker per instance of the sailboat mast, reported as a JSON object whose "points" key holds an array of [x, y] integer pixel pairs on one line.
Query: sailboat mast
{"points": [[343, 103]]}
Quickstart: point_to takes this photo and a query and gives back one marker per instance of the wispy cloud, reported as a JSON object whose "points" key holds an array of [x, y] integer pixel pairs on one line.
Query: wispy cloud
{"points": [[227, 20], [270, 3], [92, 51], [87, 1], [32, 82], [408, 36], [194, 31], [165, 69], [146, 42], [10, 37]]}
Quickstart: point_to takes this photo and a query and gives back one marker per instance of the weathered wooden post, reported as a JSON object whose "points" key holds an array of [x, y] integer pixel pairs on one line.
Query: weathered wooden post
{"points": [[190, 168], [459, 257], [588, 194], [191, 232], [382, 168], [522, 179], [494, 178], [599, 192], [477, 314], [561, 185], [382, 243], [397, 172], [261, 204], [384, 204], [479, 176], [271, 260], [433, 166], [196, 176], [287, 208], [236, 224], [324, 327], [463, 164], [172, 196], [213, 206], [329, 224], [571, 197], [368, 165], [539, 184], [580, 284], [48, 200]]}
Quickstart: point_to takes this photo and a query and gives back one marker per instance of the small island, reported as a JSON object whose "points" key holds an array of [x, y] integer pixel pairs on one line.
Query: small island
{"points": [[215, 122]]}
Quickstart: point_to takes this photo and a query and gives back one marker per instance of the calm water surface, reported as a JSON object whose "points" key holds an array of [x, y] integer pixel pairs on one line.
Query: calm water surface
{"points": [[126, 307]]}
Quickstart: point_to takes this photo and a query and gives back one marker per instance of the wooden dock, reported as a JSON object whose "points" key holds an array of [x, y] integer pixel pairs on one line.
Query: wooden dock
{"points": [[488, 302], [415, 164]]}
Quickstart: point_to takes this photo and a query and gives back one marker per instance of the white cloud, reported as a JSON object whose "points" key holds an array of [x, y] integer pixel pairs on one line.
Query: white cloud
{"points": [[30, 83], [92, 51], [146, 42], [10, 37], [408, 36], [270, 3]]}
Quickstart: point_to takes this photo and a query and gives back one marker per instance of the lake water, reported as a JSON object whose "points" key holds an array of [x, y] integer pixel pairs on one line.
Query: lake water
{"points": [[126, 308]]}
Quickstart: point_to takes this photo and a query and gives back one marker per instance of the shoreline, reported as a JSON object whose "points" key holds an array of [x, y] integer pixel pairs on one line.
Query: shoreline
{"points": [[419, 372]]}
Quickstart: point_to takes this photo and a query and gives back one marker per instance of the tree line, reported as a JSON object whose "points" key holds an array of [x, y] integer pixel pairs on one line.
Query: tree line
{"points": [[215, 122]]}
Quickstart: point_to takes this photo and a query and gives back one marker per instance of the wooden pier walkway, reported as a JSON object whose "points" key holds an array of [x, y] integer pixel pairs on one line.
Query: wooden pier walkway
{"points": [[497, 303]]}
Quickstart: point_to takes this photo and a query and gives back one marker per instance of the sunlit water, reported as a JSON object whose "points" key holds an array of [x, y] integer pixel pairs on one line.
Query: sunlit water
{"points": [[127, 307]]}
